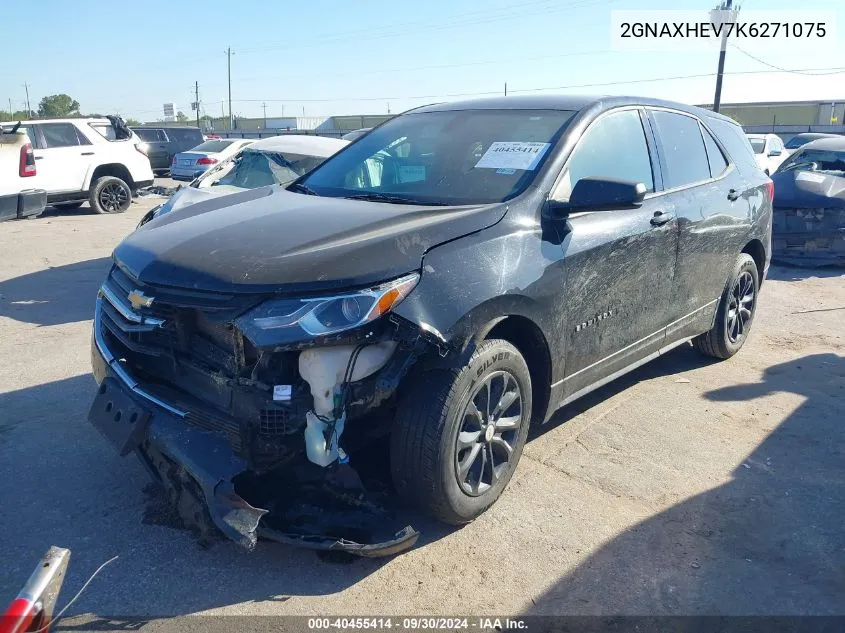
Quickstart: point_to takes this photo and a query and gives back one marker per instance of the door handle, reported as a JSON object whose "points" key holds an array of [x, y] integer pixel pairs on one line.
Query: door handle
{"points": [[733, 194], [87, 153], [38, 157], [662, 217]]}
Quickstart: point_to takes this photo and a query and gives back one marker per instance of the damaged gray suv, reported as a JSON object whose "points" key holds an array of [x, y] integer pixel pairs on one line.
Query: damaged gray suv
{"points": [[432, 290]]}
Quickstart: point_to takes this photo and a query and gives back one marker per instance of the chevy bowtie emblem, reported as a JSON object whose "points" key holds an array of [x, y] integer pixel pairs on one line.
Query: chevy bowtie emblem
{"points": [[139, 300]]}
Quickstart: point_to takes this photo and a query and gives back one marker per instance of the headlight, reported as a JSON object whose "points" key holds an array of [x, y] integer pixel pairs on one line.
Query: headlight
{"points": [[326, 315]]}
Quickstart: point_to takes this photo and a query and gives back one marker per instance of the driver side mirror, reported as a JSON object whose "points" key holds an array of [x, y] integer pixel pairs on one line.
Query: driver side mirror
{"points": [[601, 193]]}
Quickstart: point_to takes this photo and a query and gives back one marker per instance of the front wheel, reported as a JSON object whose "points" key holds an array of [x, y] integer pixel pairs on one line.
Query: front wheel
{"points": [[735, 314], [458, 434], [110, 194]]}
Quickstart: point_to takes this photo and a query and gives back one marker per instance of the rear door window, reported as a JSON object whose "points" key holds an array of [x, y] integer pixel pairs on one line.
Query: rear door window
{"points": [[613, 147], [59, 135], [683, 148], [718, 163]]}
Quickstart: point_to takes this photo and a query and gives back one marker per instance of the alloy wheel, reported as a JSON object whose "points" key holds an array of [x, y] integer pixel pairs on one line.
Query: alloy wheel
{"points": [[113, 197], [741, 306], [488, 433]]}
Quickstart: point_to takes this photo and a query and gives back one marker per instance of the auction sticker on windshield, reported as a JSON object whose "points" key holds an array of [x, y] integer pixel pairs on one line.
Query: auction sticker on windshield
{"points": [[513, 155]]}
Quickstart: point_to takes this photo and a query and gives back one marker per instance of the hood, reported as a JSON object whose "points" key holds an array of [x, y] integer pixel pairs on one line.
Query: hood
{"points": [[272, 240], [187, 196], [799, 189]]}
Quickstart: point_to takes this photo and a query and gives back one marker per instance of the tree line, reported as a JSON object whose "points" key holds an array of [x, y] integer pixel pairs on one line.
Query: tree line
{"points": [[62, 106]]}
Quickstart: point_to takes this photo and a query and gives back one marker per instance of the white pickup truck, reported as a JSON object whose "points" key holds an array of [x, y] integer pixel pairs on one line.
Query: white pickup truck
{"points": [[96, 160], [18, 197]]}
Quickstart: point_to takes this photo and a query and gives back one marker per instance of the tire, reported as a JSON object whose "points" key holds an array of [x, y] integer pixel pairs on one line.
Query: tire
{"points": [[68, 206], [731, 327], [110, 194], [426, 461]]}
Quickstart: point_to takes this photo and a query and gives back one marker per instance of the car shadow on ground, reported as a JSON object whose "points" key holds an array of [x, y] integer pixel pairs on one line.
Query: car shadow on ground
{"points": [[770, 541], [54, 295], [785, 272]]}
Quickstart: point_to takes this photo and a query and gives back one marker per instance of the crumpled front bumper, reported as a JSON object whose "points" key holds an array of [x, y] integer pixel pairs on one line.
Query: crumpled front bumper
{"points": [[195, 466]]}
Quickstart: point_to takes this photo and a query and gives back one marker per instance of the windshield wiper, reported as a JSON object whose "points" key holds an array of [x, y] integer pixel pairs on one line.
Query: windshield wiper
{"points": [[391, 199], [298, 187]]}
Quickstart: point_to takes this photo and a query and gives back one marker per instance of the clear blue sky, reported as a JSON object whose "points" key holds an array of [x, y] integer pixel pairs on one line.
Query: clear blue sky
{"points": [[333, 57]]}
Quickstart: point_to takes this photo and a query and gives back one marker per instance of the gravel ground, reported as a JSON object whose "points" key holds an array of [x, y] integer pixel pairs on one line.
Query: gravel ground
{"points": [[686, 487]]}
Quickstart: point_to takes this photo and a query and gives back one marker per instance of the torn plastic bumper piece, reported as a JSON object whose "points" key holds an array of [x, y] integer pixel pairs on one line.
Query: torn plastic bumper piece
{"points": [[207, 458], [405, 539]]}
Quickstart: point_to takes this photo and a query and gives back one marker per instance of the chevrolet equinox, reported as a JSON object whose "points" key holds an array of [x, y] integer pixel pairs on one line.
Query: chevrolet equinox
{"points": [[436, 287]]}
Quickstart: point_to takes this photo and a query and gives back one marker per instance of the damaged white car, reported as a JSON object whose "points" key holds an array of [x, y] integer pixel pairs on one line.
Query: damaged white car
{"points": [[278, 160]]}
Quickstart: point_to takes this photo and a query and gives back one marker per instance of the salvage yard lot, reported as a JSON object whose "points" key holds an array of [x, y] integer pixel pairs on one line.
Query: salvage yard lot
{"points": [[686, 487]]}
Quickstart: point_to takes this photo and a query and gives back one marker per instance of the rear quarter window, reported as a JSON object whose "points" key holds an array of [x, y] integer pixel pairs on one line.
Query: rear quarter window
{"points": [[735, 141]]}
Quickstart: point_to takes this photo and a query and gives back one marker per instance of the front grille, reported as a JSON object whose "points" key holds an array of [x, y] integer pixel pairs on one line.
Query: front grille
{"points": [[279, 421], [185, 350]]}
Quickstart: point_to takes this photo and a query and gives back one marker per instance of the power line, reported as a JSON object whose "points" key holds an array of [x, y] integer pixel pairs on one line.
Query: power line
{"points": [[435, 67], [829, 70], [781, 69], [834, 70], [465, 19]]}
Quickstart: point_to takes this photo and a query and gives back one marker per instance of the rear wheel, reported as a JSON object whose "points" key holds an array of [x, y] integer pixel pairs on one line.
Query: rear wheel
{"points": [[458, 434], [735, 313], [110, 194]]}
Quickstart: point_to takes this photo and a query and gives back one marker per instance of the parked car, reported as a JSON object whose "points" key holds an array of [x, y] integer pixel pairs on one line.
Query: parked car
{"points": [[278, 160], [769, 151], [190, 164], [93, 159], [448, 280], [809, 215], [161, 144], [355, 134], [17, 167], [805, 137]]}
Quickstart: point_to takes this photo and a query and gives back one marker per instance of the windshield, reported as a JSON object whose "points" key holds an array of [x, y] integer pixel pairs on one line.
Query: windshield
{"points": [[255, 168], [460, 157], [212, 146], [758, 145], [825, 160]]}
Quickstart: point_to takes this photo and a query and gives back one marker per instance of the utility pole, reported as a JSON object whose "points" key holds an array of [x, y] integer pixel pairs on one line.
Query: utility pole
{"points": [[506, 88], [11, 112], [264, 105], [717, 99], [197, 100], [229, 59], [26, 87]]}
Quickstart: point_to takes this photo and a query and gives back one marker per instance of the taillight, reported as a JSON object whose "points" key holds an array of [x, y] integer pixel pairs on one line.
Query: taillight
{"points": [[27, 162], [770, 187], [142, 148], [173, 162], [205, 160]]}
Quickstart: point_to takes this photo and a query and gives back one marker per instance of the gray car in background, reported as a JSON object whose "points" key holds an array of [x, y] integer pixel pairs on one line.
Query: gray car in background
{"points": [[161, 144]]}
